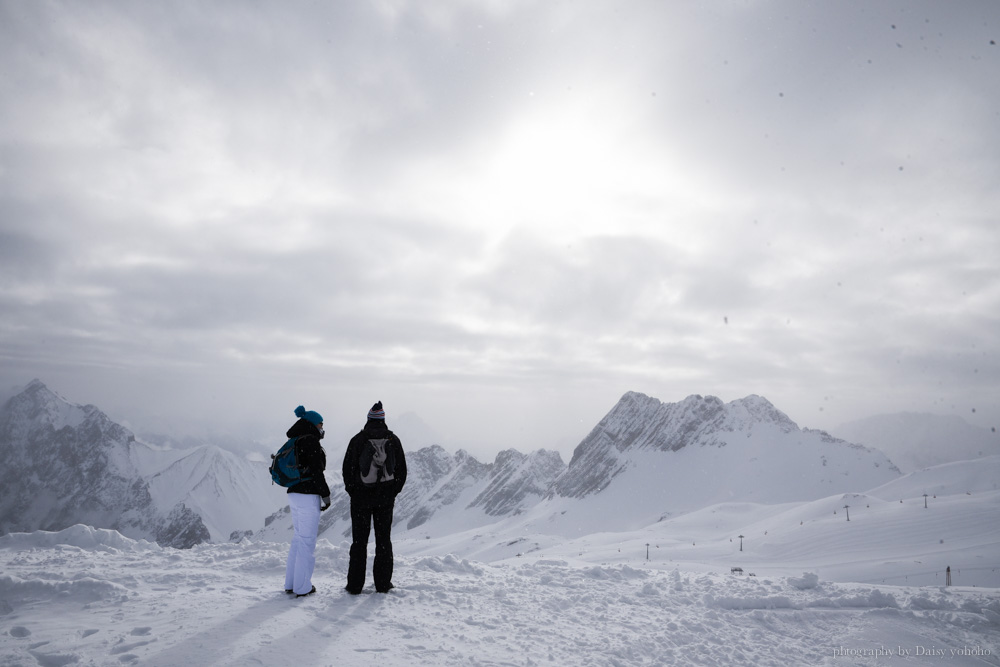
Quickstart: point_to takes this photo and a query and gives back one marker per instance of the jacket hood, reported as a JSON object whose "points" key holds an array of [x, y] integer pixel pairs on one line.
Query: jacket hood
{"points": [[376, 427], [303, 427]]}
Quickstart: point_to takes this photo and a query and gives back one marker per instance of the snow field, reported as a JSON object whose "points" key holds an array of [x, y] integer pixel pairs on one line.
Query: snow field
{"points": [[885, 541], [826, 591], [90, 597]]}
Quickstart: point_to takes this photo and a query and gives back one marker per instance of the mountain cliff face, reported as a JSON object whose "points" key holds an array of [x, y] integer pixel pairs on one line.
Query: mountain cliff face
{"points": [[518, 480], [74, 467], [682, 456], [639, 422], [465, 474]]}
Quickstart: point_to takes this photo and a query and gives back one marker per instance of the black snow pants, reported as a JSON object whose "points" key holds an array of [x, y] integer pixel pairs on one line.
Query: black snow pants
{"points": [[362, 518]]}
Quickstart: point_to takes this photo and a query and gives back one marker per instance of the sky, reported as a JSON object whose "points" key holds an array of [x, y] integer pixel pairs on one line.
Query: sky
{"points": [[499, 217]]}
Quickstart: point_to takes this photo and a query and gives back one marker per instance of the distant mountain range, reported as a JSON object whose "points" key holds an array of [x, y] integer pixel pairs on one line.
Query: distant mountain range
{"points": [[644, 461], [915, 441]]}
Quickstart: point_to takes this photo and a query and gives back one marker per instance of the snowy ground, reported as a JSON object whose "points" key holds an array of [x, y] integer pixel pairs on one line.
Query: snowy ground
{"points": [[92, 597]]}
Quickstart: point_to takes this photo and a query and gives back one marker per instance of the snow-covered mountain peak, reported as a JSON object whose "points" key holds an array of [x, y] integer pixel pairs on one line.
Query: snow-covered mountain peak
{"points": [[546, 457], [37, 406], [77, 467], [433, 460], [744, 413], [34, 417], [508, 457], [515, 477], [640, 421], [225, 489], [467, 464], [635, 410], [713, 451]]}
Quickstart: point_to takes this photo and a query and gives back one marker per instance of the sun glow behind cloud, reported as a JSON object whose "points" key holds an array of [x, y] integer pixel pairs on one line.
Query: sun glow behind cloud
{"points": [[565, 168]]}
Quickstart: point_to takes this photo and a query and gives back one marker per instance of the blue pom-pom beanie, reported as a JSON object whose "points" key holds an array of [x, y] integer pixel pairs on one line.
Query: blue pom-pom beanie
{"points": [[310, 416], [376, 412]]}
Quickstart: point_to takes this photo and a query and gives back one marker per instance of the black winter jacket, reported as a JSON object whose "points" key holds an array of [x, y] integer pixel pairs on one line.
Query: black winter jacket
{"points": [[381, 494], [311, 459]]}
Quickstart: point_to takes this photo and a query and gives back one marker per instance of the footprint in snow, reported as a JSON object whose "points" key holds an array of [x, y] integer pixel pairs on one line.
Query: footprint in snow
{"points": [[55, 659]]}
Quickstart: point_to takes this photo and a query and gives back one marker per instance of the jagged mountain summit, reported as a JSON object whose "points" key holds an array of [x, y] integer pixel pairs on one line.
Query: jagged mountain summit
{"points": [[516, 478], [74, 466], [639, 422], [648, 459]]}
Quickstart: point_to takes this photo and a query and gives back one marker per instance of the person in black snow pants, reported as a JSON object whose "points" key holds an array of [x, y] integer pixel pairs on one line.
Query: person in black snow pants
{"points": [[306, 500], [374, 474]]}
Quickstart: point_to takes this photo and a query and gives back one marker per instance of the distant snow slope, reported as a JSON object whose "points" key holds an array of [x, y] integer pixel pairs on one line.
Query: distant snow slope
{"points": [[914, 441], [948, 479], [890, 538]]}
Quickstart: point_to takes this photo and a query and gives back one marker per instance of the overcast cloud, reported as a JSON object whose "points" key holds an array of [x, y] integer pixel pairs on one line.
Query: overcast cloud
{"points": [[499, 216]]}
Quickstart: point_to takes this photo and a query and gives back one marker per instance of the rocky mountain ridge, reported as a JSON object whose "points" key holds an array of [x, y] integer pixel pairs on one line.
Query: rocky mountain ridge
{"points": [[455, 489], [639, 422], [644, 460], [74, 467]]}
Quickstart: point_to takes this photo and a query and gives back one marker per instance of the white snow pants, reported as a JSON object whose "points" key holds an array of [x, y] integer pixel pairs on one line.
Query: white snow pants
{"points": [[302, 554]]}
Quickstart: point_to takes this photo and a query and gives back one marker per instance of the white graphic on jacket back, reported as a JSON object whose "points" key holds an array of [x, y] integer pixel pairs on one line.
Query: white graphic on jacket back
{"points": [[377, 462]]}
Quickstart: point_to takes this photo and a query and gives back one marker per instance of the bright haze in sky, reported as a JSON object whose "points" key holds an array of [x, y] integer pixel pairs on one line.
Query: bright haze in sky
{"points": [[499, 216]]}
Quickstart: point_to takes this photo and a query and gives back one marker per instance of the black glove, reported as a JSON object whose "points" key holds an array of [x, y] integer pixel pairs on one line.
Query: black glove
{"points": [[326, 504]]}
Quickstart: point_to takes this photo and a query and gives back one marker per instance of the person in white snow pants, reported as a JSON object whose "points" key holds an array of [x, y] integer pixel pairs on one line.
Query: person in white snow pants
{"points": [[302, 554], [306, 500]]}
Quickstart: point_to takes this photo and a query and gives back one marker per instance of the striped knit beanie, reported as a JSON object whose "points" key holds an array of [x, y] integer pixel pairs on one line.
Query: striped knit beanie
{"points": [[376, 412]]}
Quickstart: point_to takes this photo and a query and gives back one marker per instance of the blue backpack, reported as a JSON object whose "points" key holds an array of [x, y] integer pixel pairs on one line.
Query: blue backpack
{"points": [[284, 466]]}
